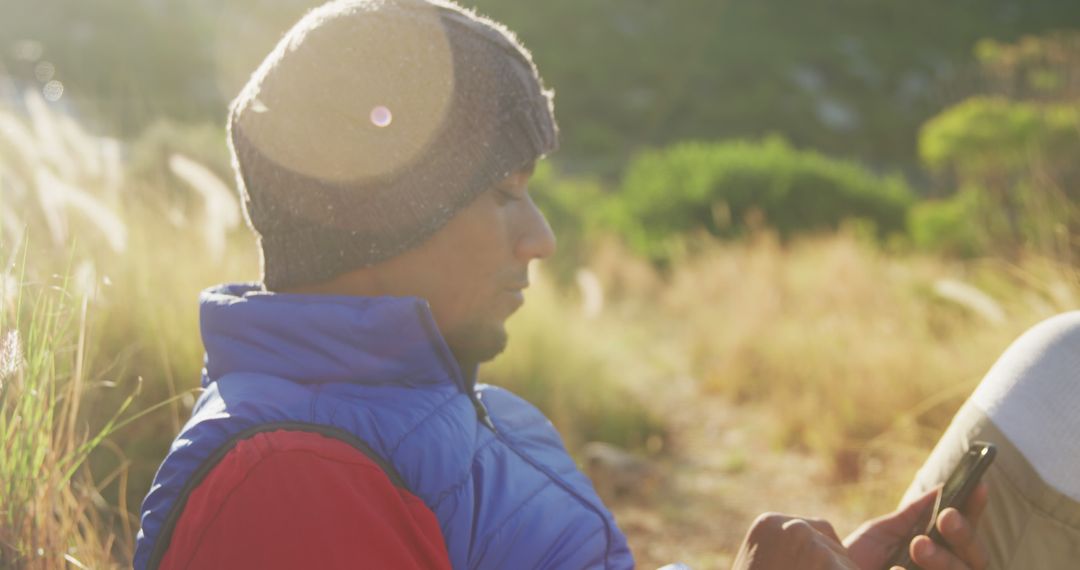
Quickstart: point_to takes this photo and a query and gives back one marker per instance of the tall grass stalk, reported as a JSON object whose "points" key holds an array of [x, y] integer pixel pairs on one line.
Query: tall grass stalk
{"points": [[47, 513], [142, 274]]}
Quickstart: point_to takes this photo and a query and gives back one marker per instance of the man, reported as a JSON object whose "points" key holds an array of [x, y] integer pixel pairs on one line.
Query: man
{"points": [[384, 150]]}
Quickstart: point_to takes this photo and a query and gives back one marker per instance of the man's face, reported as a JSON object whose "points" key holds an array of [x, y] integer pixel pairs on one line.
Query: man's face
{"points": [[473, 270]]}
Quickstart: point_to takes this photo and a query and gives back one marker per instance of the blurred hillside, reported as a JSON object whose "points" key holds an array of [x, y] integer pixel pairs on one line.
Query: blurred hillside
{"points": [[851, 78]]}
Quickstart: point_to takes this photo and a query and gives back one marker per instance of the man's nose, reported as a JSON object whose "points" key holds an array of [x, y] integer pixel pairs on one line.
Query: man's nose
{"points": [[535, 238]]}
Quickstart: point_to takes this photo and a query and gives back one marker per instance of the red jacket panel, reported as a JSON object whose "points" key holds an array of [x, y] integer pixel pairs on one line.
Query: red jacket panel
{"points": [[290, 499]]}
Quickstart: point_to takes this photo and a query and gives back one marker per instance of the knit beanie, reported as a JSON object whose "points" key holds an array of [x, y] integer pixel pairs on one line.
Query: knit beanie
{"points": [[372, 123]]}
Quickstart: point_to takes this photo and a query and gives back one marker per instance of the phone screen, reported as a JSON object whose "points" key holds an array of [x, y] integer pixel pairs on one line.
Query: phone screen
{"points": [[960, 478]]}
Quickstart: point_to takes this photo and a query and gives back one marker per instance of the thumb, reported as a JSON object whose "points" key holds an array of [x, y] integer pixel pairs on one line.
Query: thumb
{"points": [[917, 512]]}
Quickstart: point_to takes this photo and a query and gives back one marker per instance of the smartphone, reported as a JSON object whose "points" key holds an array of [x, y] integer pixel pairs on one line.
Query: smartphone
{"points": [[954, 493]]}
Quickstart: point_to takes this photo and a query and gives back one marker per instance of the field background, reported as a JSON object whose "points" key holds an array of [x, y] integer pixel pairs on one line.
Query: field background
{"points": [[792, 239]]}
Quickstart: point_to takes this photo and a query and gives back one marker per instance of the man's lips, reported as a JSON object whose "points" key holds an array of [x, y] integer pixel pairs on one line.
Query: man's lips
{"points": [[516, 292]]}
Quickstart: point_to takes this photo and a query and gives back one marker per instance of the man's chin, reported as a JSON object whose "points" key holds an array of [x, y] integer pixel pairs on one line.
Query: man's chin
{"points": [[478, 344], [492, 347]]}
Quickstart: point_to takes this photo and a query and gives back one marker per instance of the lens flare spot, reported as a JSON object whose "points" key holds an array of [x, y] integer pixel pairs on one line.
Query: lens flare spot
{"points": [[53, 91], [381, 117], [44, 71]]}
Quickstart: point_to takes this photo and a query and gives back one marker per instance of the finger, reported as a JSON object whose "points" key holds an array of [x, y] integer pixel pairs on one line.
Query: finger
{"points": [[931, 556], [811, 531], [976, 503], [915, 512], [824, 527], [841, 558], [960, 536]]}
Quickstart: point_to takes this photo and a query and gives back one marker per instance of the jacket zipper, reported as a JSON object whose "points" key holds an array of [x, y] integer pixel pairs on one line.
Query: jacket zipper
{"points": [[482, 412], [485, 418]]}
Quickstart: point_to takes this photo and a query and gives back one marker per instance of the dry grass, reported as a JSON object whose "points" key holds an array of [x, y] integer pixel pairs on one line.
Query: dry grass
{"points": [[78, 346], [58, 182], [859, 356], [48, 503]]}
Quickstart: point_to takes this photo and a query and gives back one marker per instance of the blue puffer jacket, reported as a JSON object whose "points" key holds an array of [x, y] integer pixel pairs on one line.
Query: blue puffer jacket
{"points": [[488, 464]]}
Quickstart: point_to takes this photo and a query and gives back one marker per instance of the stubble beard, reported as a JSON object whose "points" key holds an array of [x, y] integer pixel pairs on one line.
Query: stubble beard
{"points": [[478, 342]]}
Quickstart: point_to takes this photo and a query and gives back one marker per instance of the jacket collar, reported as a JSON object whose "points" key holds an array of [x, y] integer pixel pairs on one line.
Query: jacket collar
{"points": [[315, 339]]}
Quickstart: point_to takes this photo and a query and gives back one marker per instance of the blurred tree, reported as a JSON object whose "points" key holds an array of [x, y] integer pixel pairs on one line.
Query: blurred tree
{"points": [[121, 62], [127, 63], [850, 77], [1017, 147]]}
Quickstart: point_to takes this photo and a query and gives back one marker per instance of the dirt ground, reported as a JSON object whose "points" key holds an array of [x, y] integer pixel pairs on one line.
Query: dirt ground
{"points": [[695, 504]]}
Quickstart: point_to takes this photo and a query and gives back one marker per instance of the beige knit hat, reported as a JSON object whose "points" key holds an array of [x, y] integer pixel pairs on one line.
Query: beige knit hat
{"points": [[372, 123]]}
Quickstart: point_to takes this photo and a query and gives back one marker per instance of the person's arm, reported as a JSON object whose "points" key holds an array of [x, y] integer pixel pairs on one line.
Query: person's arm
{"points": [[290, 499]]}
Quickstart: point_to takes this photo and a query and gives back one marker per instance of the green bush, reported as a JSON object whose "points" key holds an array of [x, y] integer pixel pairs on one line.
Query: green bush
{"points": [[949, 226], [718, 187]]}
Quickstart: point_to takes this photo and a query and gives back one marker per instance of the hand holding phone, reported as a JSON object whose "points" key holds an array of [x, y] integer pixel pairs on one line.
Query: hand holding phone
{"points": [[955, 493]]}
